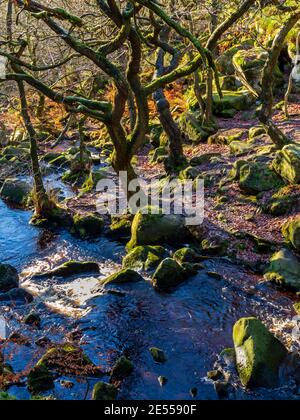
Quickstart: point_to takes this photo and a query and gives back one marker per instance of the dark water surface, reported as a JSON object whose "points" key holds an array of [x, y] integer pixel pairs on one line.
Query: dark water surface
{"points": [[192, 325]]}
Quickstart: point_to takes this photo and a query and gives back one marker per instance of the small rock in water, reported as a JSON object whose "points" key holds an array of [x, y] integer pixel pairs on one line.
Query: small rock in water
{"points": [[122, 368], [33, 319], [19, 339], [162, 380], [222, 389], [9, 278], [67, 384], [158, 355], [194, 392], [104, 392]]}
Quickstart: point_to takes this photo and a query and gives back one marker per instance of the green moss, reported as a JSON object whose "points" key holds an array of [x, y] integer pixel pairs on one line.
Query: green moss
{"points": [[122, 277], [152, 229], [187, 255], [144, 258], [258, 354], [284, 270], [104, 392], [120, 227], [169, 274], [297, 308], [256, 178], [291, 232], [158, 355], [87, 225], [123, 368], [287, 163], [15, 192]]}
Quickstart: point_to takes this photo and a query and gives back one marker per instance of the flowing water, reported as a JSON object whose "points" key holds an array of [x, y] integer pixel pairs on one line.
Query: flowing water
{"points": [[193, 324]]}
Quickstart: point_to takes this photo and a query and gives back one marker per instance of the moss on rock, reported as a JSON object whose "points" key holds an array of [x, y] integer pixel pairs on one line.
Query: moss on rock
{"points": [[284, 270], [256, 178], [153, 229], [123, 368], [259, 354], [104, 392], [15, 192], [71, 268], [291, 232], [122, 277], [144, 258], [87, 225], [287, 163], [168, 275], [40, 379]]}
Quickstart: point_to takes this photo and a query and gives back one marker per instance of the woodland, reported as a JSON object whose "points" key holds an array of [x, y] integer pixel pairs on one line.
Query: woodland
{"points": [[141, 305]]}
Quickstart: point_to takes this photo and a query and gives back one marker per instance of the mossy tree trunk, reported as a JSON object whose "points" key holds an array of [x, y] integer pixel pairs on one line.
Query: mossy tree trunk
{"points": [[43, 205], [267, 96]]}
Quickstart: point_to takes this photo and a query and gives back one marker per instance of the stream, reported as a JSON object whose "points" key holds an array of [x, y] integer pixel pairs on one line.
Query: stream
{"points": [[192, 325]]}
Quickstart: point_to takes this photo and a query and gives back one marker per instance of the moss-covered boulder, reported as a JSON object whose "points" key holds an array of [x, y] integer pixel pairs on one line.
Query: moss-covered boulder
{"points": [[231, 103], [144, 258], [122, 277], [256, 132], [187, 256], [158, 355], [120, 227], [104, 392], [9, 278], [87, 225], [71, 268], [239, 148], [190, 173], [258, 177], [123, 368], [291, 232], [282, 202], [284, 270], [249, 65], [15, 192], [153, 229], [287, 163], [40, 379], [191, 125], [259, 354], [204, 159], [168, 275]]}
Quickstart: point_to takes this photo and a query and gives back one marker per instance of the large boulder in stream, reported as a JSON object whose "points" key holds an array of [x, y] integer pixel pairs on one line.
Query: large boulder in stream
{"points": [[15, 192], [287, 163], [284, 270], [291, 233], [155, 229], [9, 278], [259, 354]]}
